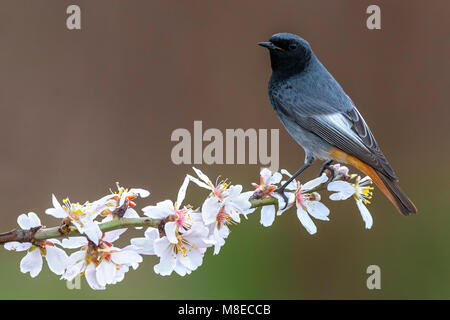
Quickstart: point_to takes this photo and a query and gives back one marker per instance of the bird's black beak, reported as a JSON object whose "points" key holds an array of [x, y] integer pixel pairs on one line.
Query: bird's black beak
{"points": [[269, 45]]}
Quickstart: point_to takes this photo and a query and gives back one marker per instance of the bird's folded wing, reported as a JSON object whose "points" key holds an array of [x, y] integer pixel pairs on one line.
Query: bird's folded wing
{"points": [[345, 129]]}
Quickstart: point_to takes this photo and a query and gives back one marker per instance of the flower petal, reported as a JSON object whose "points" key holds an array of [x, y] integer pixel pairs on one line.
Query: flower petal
{"points": [[181, 269], [75, 265], [219, 236], [281, 202], [57, 259], [152, 233], [318, 210], [292, 186], [306, 221], [182, 193], [24, 222], [344, 190], [77, 256], [198, 182], [91, 278], [34, 220], [141, 192], [32, 263], [245, 197], [315, 182], [160, 211], [167, 262], [146, 245], [238, 204], [266, 174], [72, 271], [365, 214], [92, 230], [161, 246], [234, 191], [74, 242], [113, 235], [267, 215], [17, 246], [128, 257], [197, 235], [203, 176], [55, 241], [366, 180], [170, 230], [192, 260], [210, 209], [276, 178], [105, 272], [57, 211]]}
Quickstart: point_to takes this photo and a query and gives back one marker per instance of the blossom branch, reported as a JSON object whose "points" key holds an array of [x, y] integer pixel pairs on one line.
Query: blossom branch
{"points": [[177, 234], [55, 233], [18, 235]]}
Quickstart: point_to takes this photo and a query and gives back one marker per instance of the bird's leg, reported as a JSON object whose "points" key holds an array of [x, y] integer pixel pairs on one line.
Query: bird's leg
{"points": [[326, 165], [308, 161]]}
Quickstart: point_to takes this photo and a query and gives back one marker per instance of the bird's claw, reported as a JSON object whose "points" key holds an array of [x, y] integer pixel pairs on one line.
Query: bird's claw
{"points": [[329, 168], [280, 191]]}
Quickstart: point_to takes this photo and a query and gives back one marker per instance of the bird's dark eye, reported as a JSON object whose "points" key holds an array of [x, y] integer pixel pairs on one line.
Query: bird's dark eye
{"points": [[292, 46]]}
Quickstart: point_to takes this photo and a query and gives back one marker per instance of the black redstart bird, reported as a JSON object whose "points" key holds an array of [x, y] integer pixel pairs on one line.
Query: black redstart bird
{"points": [[321, 117]]}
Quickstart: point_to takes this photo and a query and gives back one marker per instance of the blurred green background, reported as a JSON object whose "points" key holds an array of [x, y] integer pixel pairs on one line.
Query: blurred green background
{"points": [[83, 109]]}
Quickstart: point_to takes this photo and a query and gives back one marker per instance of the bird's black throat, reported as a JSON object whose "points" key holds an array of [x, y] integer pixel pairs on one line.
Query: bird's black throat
{"points": [[286, 64]]}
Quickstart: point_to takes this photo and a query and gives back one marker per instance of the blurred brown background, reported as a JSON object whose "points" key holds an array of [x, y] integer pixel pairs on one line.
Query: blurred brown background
{"points": [[83, 109]]}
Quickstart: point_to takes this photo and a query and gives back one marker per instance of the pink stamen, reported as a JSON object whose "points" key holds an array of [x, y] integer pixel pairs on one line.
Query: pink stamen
{"points": [[181, 216], [300, 197], [218, 192], [222, 216]]}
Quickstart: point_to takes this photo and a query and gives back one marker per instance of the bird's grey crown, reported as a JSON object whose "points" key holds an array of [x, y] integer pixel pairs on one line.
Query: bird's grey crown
{"points": [[285, 37]]}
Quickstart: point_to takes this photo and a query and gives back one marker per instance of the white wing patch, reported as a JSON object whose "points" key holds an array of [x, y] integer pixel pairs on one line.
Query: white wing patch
{"points": [[340, 121]]}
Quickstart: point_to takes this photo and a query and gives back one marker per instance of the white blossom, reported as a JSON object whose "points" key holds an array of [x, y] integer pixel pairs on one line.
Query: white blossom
{"points": [[361, 191], [102, 264], [145, 245], [122, 198], [179, 218], [32, 262], [340, 172], [107, 204], [266, 189], [307, 201], [222, 208], [184, 256], [81, 216]]}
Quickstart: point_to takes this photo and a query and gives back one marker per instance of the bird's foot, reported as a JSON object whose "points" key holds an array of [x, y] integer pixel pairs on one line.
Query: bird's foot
{"points": [[280, 191], [327, 166]]}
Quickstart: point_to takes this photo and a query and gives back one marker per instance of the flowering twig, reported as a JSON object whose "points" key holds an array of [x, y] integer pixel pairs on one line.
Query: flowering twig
{"points": [[176, 233], [54, 233]]}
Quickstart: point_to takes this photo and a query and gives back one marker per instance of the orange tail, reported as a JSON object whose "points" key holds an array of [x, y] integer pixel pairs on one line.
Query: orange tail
{"points": [[388, 186]]}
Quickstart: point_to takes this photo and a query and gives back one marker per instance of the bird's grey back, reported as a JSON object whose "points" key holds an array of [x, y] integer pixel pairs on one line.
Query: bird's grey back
{"points": [[305, 90], [316, 102]]}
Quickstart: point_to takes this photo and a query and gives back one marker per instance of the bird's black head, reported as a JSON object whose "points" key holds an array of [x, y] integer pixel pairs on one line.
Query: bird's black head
{"points": [[289, 54]]}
